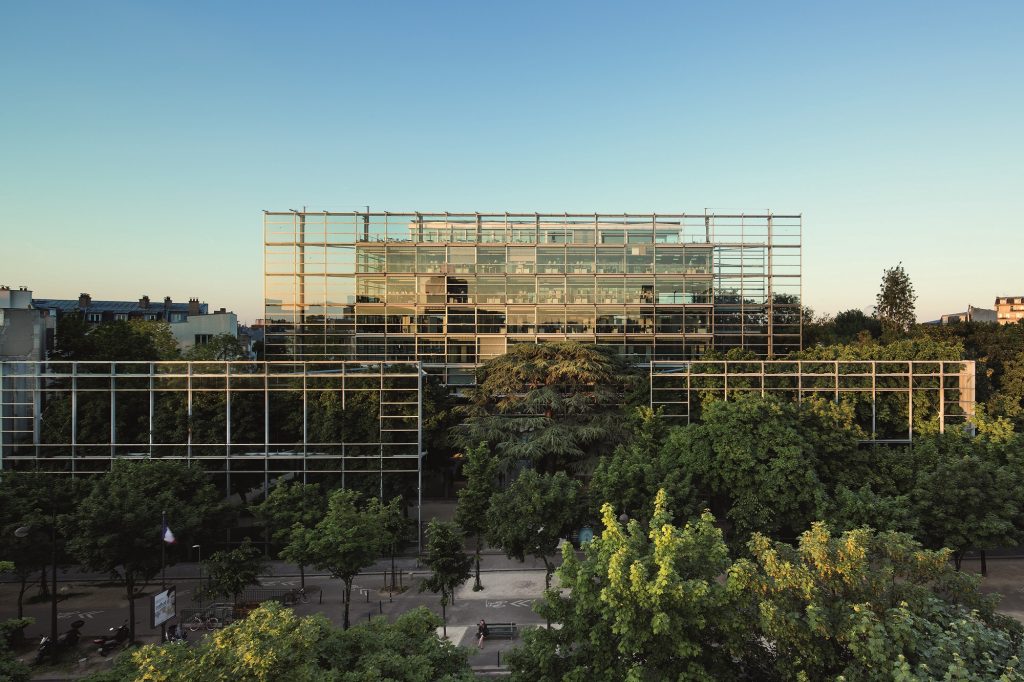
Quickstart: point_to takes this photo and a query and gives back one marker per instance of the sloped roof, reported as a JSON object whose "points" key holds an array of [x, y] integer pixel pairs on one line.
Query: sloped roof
{"points": [[71, 306]]}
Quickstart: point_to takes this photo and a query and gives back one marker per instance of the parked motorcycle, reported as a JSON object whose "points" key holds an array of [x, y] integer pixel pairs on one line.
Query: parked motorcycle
{"points": [[108, 644], [65, 641], [176, 633]]}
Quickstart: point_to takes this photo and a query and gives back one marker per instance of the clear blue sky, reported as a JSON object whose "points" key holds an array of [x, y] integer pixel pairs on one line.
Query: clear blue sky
{"points": [[140, 141]]}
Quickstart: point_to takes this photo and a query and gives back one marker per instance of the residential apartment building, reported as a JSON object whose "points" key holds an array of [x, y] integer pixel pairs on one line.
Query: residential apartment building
{"points": [[191, 323], [97, 312], [972, 314], [26, 331], [1009, 309], [453, 290]]}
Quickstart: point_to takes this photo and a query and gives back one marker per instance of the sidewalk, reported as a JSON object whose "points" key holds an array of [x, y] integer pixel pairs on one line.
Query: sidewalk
{"points": [[490, 561], [511, 591]]}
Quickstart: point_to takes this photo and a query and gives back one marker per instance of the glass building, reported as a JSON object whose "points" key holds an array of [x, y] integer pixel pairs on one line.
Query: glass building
{"points": [[453, 290]]}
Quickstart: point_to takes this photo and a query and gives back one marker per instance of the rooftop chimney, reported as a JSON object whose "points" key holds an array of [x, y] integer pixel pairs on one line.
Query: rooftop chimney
{"points": [[167, 302], [144, 302], [193, 306], [84, 300]]}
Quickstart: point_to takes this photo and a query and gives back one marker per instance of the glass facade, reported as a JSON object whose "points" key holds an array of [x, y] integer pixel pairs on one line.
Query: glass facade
{"points": [[453, 290]]}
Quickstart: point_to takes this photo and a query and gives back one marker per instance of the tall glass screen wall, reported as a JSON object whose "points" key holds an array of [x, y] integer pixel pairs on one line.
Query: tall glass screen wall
{"points": [[457, 291]]}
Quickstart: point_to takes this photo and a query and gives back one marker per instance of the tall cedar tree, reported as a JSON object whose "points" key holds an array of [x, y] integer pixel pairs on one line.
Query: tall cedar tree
{"points": [[558, 405]]}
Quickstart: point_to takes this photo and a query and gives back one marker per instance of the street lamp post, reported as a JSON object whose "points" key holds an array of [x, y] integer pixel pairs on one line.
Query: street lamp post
{"points": [[199, 592], [53, 583]]}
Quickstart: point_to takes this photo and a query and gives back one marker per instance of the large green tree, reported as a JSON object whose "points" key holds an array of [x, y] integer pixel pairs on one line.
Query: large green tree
{"points": [[871, 606], [894, 305], [1008, 399], [37, 505], [134, 340], [645, 603], [117, 527], [633, 474], [481, 469], [345, 541], [854, 325], [448, 563], [533, 514], [396, 529], [968, 493], [229, 572], [558, 405], [289, 504], [766, 464]]}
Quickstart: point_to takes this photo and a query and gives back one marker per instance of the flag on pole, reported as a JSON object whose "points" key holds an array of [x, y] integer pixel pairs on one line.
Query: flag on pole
{"points": [[168, 536]]}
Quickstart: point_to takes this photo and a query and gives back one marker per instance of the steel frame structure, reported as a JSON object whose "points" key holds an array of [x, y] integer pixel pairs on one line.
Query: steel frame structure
{"points": [[907, 391], [251, 423], [454, 289]]}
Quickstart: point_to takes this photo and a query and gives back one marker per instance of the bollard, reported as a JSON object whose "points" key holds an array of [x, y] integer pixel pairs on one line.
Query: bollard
{"points": [[380, 604], [367, 596], [321, 596], [499, 658], [368, 614]]}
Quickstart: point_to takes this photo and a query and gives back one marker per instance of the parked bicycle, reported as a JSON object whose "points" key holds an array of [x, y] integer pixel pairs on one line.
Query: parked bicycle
{"points": [[204, 622], [295, 597]]}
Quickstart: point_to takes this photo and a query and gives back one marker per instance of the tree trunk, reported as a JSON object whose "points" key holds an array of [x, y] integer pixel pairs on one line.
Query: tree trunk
{"points": [[444, 619], [392, 566], [476, 585], [984, 564], [44, 587], [21, 596], [348, 596], [302, 576], [547, 582], [130, 584], [957, 558]]}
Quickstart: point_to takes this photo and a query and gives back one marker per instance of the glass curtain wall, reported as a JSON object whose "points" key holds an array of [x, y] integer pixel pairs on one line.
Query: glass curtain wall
{"points": [[453, 290]]}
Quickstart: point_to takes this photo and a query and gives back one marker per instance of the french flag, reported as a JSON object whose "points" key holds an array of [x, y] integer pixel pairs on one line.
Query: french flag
{"points": [[168, 536]]}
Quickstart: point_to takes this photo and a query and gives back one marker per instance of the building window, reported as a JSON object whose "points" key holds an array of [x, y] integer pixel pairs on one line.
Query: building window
{"points": [[94, 317], [203, 339]]}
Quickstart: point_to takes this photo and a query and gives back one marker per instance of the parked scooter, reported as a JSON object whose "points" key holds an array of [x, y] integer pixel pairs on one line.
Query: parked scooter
{"points": [[176, 633], [108, 644], [65, 641]]}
